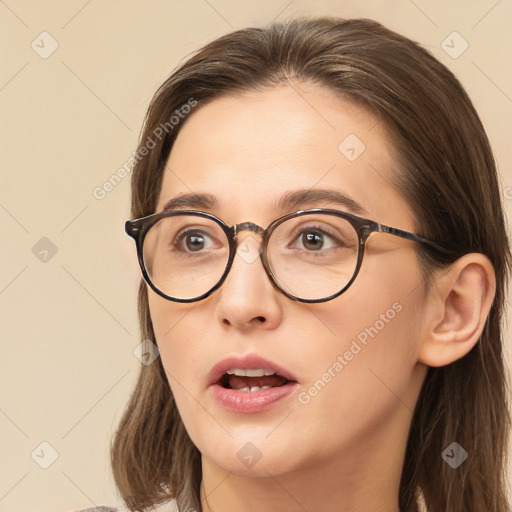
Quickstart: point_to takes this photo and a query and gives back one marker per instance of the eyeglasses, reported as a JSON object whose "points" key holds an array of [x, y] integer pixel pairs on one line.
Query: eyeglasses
{"points": [[310, 256]]}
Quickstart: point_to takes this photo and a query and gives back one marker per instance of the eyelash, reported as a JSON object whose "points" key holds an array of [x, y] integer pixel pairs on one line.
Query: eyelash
{"points": [[180, 237], [322, 230]]}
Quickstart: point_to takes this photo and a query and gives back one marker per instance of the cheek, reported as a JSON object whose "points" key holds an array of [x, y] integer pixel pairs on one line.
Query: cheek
{"points": [[170, 328], [382, 304], [363, 383], [184, 337], [365, 371]]}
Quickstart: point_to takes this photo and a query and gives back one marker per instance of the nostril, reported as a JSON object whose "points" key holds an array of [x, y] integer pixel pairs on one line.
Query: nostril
{"points": [[260, 319]]}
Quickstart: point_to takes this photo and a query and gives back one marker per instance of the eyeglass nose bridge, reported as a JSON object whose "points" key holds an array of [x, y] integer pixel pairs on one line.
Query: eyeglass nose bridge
{"points": [[253, 228], [247, 226], [258, 230]]}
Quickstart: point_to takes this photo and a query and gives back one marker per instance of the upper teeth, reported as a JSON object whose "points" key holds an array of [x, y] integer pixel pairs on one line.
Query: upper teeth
{"points": [[250, 372]]}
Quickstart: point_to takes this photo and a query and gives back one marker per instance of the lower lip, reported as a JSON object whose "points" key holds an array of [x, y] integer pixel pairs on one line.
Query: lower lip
{"points": [[251, 401]]}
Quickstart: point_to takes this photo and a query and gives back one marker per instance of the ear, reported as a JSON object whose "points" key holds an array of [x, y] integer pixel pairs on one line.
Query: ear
{"points": [[456, 310]]}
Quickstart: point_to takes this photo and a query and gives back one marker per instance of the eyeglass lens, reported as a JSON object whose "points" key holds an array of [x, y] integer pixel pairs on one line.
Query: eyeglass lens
{"points": [[311, 256]]}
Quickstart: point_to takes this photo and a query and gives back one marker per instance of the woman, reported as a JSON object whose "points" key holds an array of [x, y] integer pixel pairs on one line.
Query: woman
{"points": [[294, 374]]}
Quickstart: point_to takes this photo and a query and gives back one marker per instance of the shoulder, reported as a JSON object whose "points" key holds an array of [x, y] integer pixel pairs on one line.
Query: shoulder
{"points": [[99, 508], [170, 506]]}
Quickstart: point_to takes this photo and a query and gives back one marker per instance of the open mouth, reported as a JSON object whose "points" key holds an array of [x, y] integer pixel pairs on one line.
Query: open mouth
{"points": [[251, 380], [250, 384]]}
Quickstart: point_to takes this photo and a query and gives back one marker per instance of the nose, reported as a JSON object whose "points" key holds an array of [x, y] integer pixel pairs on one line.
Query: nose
{"points": [[247, 298]]}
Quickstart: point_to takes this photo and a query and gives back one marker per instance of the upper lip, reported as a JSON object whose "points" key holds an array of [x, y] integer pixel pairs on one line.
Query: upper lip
{"points": [[248, 361]]}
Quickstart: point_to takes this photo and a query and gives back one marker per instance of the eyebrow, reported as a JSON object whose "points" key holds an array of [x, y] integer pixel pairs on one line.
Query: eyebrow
{"points": [[289, 201], [292, 200], [191, 200]]}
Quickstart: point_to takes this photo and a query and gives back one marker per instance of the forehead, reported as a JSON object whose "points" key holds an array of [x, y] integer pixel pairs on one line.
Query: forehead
{"points": [[249, 149]]}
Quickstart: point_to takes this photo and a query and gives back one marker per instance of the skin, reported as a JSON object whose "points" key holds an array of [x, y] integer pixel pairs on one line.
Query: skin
{"points": [[344, 449]]}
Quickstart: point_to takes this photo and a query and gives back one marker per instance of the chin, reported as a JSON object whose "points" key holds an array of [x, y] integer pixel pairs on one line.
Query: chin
{"points": [[254, 458], [258, 469]]}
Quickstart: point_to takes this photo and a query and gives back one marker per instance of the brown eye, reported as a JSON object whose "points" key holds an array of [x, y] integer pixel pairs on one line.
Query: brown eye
{"points": [[194, 242], [312, 241]]}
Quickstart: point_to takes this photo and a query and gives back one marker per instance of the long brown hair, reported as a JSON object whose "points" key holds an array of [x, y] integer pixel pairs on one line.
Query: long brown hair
{"points": [[446, 173]]}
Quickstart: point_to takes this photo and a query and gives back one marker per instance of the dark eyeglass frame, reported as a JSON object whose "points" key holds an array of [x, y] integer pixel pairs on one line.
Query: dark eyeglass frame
{"points": [[138, 229]]}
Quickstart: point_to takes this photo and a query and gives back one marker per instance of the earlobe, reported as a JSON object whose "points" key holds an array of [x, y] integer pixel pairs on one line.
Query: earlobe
{"points": [[456, 310]]}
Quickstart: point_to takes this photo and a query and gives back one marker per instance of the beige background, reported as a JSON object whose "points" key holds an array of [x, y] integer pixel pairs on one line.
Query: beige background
{"points": [[69, 121]]}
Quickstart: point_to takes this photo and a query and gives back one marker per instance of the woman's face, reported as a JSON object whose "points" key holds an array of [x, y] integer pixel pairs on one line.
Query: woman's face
{"points": [[354, 358]]}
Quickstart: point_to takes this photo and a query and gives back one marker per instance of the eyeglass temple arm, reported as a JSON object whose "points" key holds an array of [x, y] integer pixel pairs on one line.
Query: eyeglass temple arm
{"points": [[382, 228]]}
